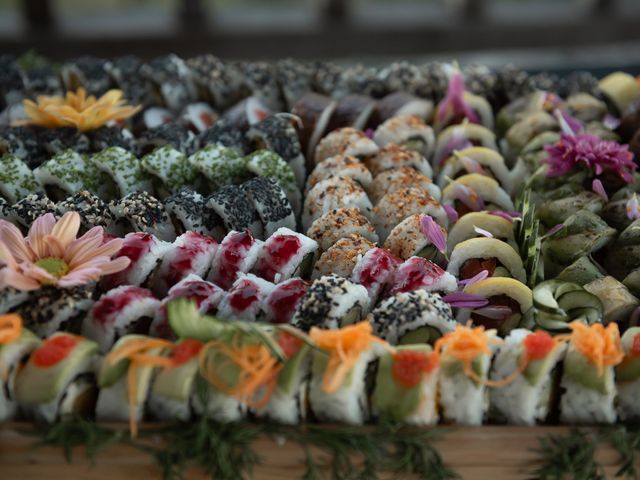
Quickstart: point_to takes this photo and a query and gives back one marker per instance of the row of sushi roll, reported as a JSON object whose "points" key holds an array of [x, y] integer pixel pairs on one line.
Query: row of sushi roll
{"points": [[230, 370]]}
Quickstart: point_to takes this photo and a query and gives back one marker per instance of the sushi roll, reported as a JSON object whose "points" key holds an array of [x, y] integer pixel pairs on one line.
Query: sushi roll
{"points": [[93, 211], [333, 193], [172, 80], [119, 312], [414, 317], [508, 301], [352, 110], [498, 258], [185, 209], [417, 273], [230, 206], [627, 376], [338, 390], [474, 192], [25, 211], [339, 223], [5, 209], [145, 252], [217, 81], [168, 169], [295, 79], [220, 165], [286, 254], [314, 110], [57, 381], [340, 166], [525, 370], [402, 104], [588, 376], [66, 174], [406, 386], [465, 360], [49, 309], [331, 302], [342, 257], [459, 137], [246, 298], [407, 131], [10, 298], [237, 253], [190, 253], [284, 300], [498, 224], [87, 72], [621, 90], [123, 170], [245, 113], [261, 80], [403, 77], [271, 203], [198, 116], [111, 136], [174, 134], [24, 143], [374, 270], [394, 179], [140, 212], [419, 236], [394, 207], [264, 163], [16, 179], [348, 142], [396, 156], [224, 134]]}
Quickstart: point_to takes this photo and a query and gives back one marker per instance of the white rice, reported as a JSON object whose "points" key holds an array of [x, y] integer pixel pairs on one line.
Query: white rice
{"points": [[581, 405], [462, 400], [628, 404]]}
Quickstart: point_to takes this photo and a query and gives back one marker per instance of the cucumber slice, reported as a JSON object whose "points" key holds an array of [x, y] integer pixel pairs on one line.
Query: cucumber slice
{"points": [[579, 299], [567, 287], [587, 314], [550, 321], [544, 296], [186, 322]]}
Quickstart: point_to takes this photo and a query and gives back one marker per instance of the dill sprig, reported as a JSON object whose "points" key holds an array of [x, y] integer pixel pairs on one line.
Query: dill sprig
{"points": [[626, 441], [569, 456]]}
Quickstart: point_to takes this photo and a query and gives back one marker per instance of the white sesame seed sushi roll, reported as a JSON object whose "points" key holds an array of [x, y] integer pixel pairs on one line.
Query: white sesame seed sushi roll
{"points": [[459, 137], [338, 390], [141, 212], [231, 207], [185, 209], [284, 300], [500, 259], [340, 166], [190, 253], [394, 207], [16, 179], [417, 273], [332, 193], [588, 384], [286, 254], [331, 302], [408, 131], [374, 270], [525, 370], [58, 380], [265, 163], [406, 386], [474, 192], [246, 299], [145, 252], [418, 236], [411, 318], [396, 156], [123, 171], [119, 312], [339, 223], [67, 173], [465, 359], [168, 169], [271, 203], [93, 211], [342, 257], [345, 141], [477, 224], [220, 166], [628, 377], [396, 179], [237, 253]]}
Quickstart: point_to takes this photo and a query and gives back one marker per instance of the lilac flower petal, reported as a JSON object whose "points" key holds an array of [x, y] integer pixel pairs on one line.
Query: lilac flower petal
{"points": [[468, 196], [369, 132], [569, 125], [473, 166], [633, 208], [555, 229], [611, 122], [511, 216], [454, 104], [483, 232], [433, 232], [478, 277], [465, 300], [452, 215], [496, 312], [598, 188]]}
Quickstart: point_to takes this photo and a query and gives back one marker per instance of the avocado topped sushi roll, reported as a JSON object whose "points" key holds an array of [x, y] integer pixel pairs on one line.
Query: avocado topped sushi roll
{"points": [[418, 235], [628, 377]]}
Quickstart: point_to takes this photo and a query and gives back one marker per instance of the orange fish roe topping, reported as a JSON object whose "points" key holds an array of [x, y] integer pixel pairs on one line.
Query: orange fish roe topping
{"points": [[409, 366]]}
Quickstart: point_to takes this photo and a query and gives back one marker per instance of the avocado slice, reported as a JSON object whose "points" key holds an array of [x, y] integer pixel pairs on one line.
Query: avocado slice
{"points": [[176, 382], [421, 335], [451, 366], [629, 369], [582, 371], [288, 374], [187, 322], [319, 362], [110, 373]]}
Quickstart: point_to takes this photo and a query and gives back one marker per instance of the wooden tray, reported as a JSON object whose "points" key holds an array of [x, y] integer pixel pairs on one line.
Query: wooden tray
{"points": [[490, 452]]}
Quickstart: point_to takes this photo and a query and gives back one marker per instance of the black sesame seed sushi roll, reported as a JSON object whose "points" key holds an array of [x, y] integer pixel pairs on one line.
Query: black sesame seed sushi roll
{"points": [[237, 253], [66, 174], [408, 131], [123, 172], [295, 78], [286, 254], [220, 166], [396, 156], [246, 299], [10, 298], [141, 212], [339, 223], [412, 318], [87, 72], [111, 136], [125, 74], [342, 257], [168, 169], [174, 134], [25, 211], [271, 203], [331, 302], [172, 80], [56, 140], [261, 80], [346, 141], [340, 166], [25, 143], [185, 209], [224, 134], [16, 179], [229, 206], [221, 83], [92, 210], [396, 179], [374, 271]]}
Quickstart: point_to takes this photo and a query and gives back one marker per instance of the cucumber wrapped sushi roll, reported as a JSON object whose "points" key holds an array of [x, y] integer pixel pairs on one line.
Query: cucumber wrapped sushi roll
{"points": [[393, 156], [246, 298], [237, 253], [348, 142], [141, 212], [185, 209], [465, 360], [338, 389], [122, 170], [119, 312], [169, 170], [588, 376], [525, 130], [286, 254], [618, 303], [475, 192], [16, 179], [190, 253], [314, 110], [459, 137], [498, 258], [220, 165], [16, 344], [374, 270], [271, 203], [342, 257], [58, 380], [331, 302], [264, 163], [406, 386], [420, 236], [229, 206], [407, 131], [621, 90], [332, 193], [26, 210], [340, 166], [394, 207], [284, 299], [627, 375], [499, 224], [417, 273], [92, 210], [525, 370], [414, 317], [68, 173], [339, 223], [395, 179]]}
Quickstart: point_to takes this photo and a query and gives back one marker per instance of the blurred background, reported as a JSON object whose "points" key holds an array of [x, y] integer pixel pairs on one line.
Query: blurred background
{"points": [[556, 35]]}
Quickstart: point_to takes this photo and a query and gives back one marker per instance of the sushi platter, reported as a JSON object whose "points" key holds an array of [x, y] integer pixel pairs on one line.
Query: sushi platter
{"points": [[216, 269]]}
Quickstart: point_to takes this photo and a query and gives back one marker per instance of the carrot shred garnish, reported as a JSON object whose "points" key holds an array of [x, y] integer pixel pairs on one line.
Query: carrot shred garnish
{"points": [[600, 344], [344, 347], [10, 327]]}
